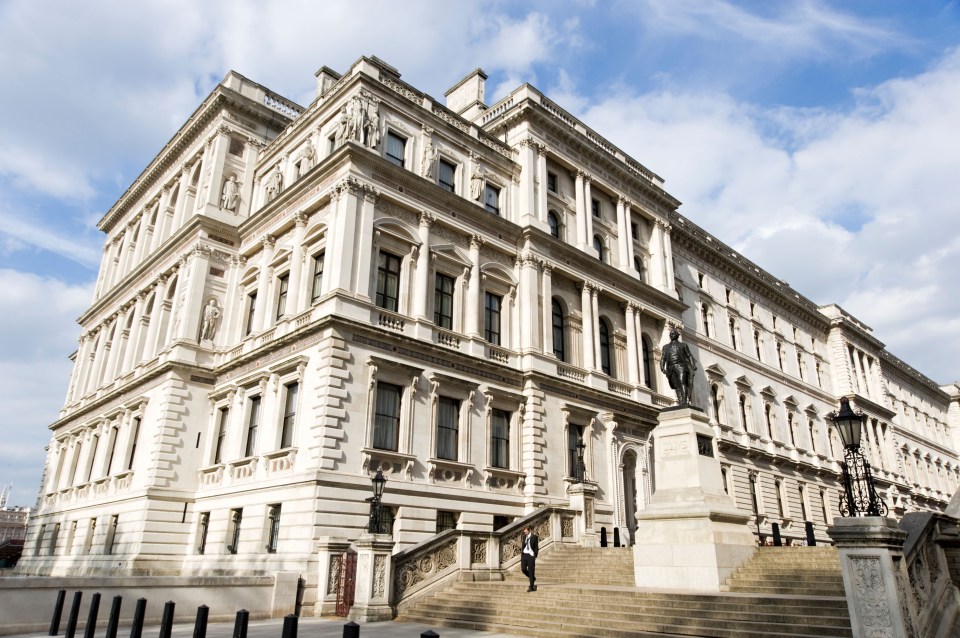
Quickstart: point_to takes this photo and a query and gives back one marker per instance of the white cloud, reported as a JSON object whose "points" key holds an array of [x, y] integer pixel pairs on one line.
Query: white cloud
{"points": [[40, 332], [858, 207], [18, 230]]}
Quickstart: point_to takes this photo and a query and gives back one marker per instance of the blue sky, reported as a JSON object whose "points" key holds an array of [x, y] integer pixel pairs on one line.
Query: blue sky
{"points": [[819, 138]]}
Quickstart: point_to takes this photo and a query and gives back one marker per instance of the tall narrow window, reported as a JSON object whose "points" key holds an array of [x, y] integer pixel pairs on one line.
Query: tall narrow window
{"points": [[742, 400], [756, 344], [388, 281], [800, 367], [792, 427], [445, 521], [91, 532], [715, 401], [95, 443], [448, 428], [647, 353], [574, 440], [780, 507], [500, 439], [273, 528], [111, 535], [491, 199], [203, 526], [813, 435], [222, 415], [604, 330], [283, 285], [638, 266], [803, 502], [443, 301], [705, 319], [780, 356], [114, 432], [552, 182], [54, 539], [491, 317], [251, 312], [396, 146], [446, 176], [233, 540], [554, 223], [595, 207], [768, 417], [253, 424], [134, 437], [556, 319], [599, 247], [386, 418], [316, 288], [291, 390], [732, 324], [38, 546]]}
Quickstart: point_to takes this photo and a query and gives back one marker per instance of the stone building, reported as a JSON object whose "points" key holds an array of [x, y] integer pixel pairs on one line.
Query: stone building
{"points": [[292, 298]]}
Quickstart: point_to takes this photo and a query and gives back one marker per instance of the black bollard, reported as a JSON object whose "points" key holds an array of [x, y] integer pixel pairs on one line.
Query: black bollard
{"points": [[351, 630], [57, 613], [166, 623], [136, 629], [114, 623], [616, 537], [289, 626], [240, 626], [603, 537], [200, 626], [429, 634], [74, 614], [91, 627]]}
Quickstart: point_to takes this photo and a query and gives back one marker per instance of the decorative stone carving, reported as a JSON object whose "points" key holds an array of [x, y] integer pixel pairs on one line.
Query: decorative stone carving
{"points": [[308, 157], [421, 567], [871, 597], [210, 320], [274, 184], [379, 576], [478, 551]]}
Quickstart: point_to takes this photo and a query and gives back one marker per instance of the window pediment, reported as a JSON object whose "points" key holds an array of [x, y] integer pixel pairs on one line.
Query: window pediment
{"points": [[715, 372], [768, 392], [450, 253], [743, 382]]}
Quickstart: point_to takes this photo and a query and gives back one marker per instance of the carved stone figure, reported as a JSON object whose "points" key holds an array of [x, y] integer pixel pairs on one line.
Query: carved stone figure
{"points": [[476, 186], [343, 128], [429, 161], [308, 158], [230, 196], [371, 124], [274, 184], [211, 319], [678, 364]]}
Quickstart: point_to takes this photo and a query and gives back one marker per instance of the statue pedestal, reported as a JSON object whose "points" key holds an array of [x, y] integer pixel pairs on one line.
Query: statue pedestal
{"points": [[373, 585], [691, 535], [582, 497]]}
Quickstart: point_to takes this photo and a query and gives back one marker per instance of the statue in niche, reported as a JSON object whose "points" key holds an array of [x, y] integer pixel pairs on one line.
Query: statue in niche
{"points": [[429, 161], [343, 128], [678, 364], [274, 184], [371, 124], [308, 158], [476, 186], [210, 321], [230, 196]]}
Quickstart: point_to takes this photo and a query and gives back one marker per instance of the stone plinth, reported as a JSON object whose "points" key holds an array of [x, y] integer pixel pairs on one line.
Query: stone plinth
{"points": [[372, 599], [871, 556], [329, 548], [582, 497], [691, 535]]}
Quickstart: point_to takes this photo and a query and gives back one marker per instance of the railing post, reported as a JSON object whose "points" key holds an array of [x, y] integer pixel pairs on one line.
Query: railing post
{"points": [[200, 625], [74, 614], [240, 626], [166, 623], [57, 613], [114, 621], [289, 626], [91, 627], [136, 629], [351, 630]]}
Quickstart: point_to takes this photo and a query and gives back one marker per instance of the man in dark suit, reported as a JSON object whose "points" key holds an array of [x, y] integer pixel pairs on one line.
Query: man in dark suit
{"points": [[530, 547]]}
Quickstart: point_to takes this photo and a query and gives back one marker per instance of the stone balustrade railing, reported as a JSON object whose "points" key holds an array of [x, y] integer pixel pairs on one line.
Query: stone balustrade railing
{"points": [[932, 599]]}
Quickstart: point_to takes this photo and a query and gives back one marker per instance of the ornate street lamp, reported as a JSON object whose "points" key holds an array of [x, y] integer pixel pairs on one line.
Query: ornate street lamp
{"points": [[581, 472], [860, 496], [376, 510]]}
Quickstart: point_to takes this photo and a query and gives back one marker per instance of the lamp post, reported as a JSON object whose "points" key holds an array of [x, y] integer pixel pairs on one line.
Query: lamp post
{"points": [[859, 494], [376, 510], [581, 472]]}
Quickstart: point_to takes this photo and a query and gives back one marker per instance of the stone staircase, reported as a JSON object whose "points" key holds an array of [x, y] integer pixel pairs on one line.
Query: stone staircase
{"points": [[589, 592], [805, 571]]}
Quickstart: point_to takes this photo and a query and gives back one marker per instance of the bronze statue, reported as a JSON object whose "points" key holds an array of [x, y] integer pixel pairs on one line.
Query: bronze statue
{"points": [[678, 364]]}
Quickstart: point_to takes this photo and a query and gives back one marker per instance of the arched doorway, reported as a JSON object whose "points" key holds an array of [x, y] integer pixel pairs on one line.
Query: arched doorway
{"points": [[629, 469]]}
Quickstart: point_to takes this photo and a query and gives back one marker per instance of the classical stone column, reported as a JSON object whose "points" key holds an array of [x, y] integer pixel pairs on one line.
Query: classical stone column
{"points": [[528, 177], [546, 288], [251, 153], [628, 221], [623, 236], [218, 156], [633, 366], [296, 291], [153, 330], [343, 228], [80, 368], [373, 583], [364, 242], [667, 258], [182, 196], [103, 278], [268, 243], [583, 211], [528, 301], [474, 300], [595, 324], [588, 217], [586, 309], [542, 191], [423, 267]]}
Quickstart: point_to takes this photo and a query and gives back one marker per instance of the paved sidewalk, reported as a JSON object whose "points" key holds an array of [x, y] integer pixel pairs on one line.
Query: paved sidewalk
{"points": [[306, 628]]}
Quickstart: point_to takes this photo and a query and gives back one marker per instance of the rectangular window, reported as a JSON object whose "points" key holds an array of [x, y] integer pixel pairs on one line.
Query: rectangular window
{"points": [[448, 428], [203, 526], [291, 391], [38, 546], [491, 317], [574, 441], [111, 535], [222, 415], [445, 521], [54, 539], [447, 174], [284, 287], [317, 287], [236, 146], [500, 439], [134, 435], [233, 540], [388, 281], [595, 207], [443, 301], [273, 528], [91, 531], [114, 432], [491, 199], [386, 417], [395, 149], [252, 425], [251, 310], [552, 182], [634, 231]]}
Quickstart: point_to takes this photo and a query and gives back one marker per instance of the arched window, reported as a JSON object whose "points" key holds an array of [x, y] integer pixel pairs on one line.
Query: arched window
{"points": [[705, 318], [556, 314], [647, 353], [790, 426], [733, 334], [813, 435], [598, 246], [768, 417], [779, 487], [715, 400], [743, 412], [638, 266], [554, 223], [605, 347]]}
